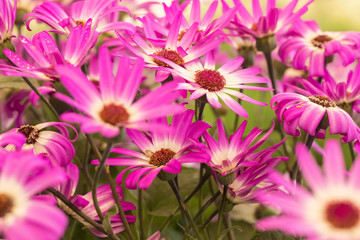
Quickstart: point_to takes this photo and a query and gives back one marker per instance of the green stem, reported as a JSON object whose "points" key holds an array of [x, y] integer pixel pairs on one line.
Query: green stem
{"points": [[199, 108], [209, 219], [270, 70], [197, 188], [221, 211], [76, 210], [352, 152], [228, 225], [236, 120], [97, 177], [184, 209], [206, 205], [140, 211]]}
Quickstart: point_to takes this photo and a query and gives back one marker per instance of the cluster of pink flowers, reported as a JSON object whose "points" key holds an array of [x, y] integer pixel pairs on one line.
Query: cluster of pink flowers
{"points": [[107, 85]]}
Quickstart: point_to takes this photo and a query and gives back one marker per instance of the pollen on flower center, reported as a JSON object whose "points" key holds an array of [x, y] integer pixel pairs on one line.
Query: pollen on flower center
{"points": [[80, 22], [6, 204], [322, 101], [170, 55], [319, 40], [31, 133], [342, 214], [209, 79], [113, 114], [161, 157]]}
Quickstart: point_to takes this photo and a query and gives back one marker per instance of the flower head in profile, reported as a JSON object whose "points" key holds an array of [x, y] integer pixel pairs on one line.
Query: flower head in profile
{"points": [[7, 19], [228, 157], [313, 111], [306, 47], [23, 215], [204, 79], [170, 48], [56, 147], [162, 151], [112, 104], [103, 13], [329, 209], [46, 55]]}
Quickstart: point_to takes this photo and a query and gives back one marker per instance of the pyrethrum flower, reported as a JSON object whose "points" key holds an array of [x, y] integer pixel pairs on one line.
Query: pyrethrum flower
{"points": [[162, 152], [329, 210], [307, 47], [204, 79], [23, 215], [112, 105], [57, 147], [228, 157]]}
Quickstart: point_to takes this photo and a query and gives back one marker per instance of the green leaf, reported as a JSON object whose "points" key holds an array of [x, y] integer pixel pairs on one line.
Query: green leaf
{"points": [[16, 82]]}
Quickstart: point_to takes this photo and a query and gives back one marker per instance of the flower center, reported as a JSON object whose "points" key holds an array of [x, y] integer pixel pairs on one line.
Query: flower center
{"points": [[161, 157], [170, 55], [254, 27], [31, 133], [342, 214], [209, 79], [113, 114], [181, 34], [319, 40], [80, 22], [322, 101], [6, 204]]}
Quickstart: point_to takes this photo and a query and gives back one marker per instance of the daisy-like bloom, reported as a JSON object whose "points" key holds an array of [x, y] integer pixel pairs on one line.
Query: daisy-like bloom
{"points": [[7, 19], [103, 13], [204, 79], [308, 48], [311, 108], [46, 55], [23, 215], [259, 25], [86, 205], [112, 105], [227, 158], [329, 209], [57, 147], [162, 152], [178, 52]]}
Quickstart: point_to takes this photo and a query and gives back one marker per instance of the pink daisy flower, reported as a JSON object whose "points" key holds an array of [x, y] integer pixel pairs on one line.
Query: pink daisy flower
{"points": [[204, 79], [102, 13], [57, 147], [308, 48], [23, 214], [227, 158], [329, 209], [7, 19], [112, 105], [178, 52], [46, 55], [261, 24], [308, 109], [161, 152]]}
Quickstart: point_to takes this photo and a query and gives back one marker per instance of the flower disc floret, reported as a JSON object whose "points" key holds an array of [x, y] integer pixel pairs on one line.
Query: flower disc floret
{"points": [[322, 101], [210, 80], [170, 55], [342, 214], [6, 204], [113, 114], [31, 133], [319, 40], [161, 157]]}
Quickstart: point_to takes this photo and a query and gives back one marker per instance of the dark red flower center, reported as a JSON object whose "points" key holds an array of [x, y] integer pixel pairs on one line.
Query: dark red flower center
{"points": [[6, 204], [161, 157], [209, 79], [322, 101], [342, 214], [170, 55], [31, 133], [319, 40], [113, 114]]}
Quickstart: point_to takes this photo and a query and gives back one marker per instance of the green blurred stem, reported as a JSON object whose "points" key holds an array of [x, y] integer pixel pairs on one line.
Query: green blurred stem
{"points": [[184, 209], [197, 188], [199, 108], [228, 225], [236, 120], [140, 212], [209, 219], [42, 98], [221, 211], [270, 70], [206, 205], [352, 153]]}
